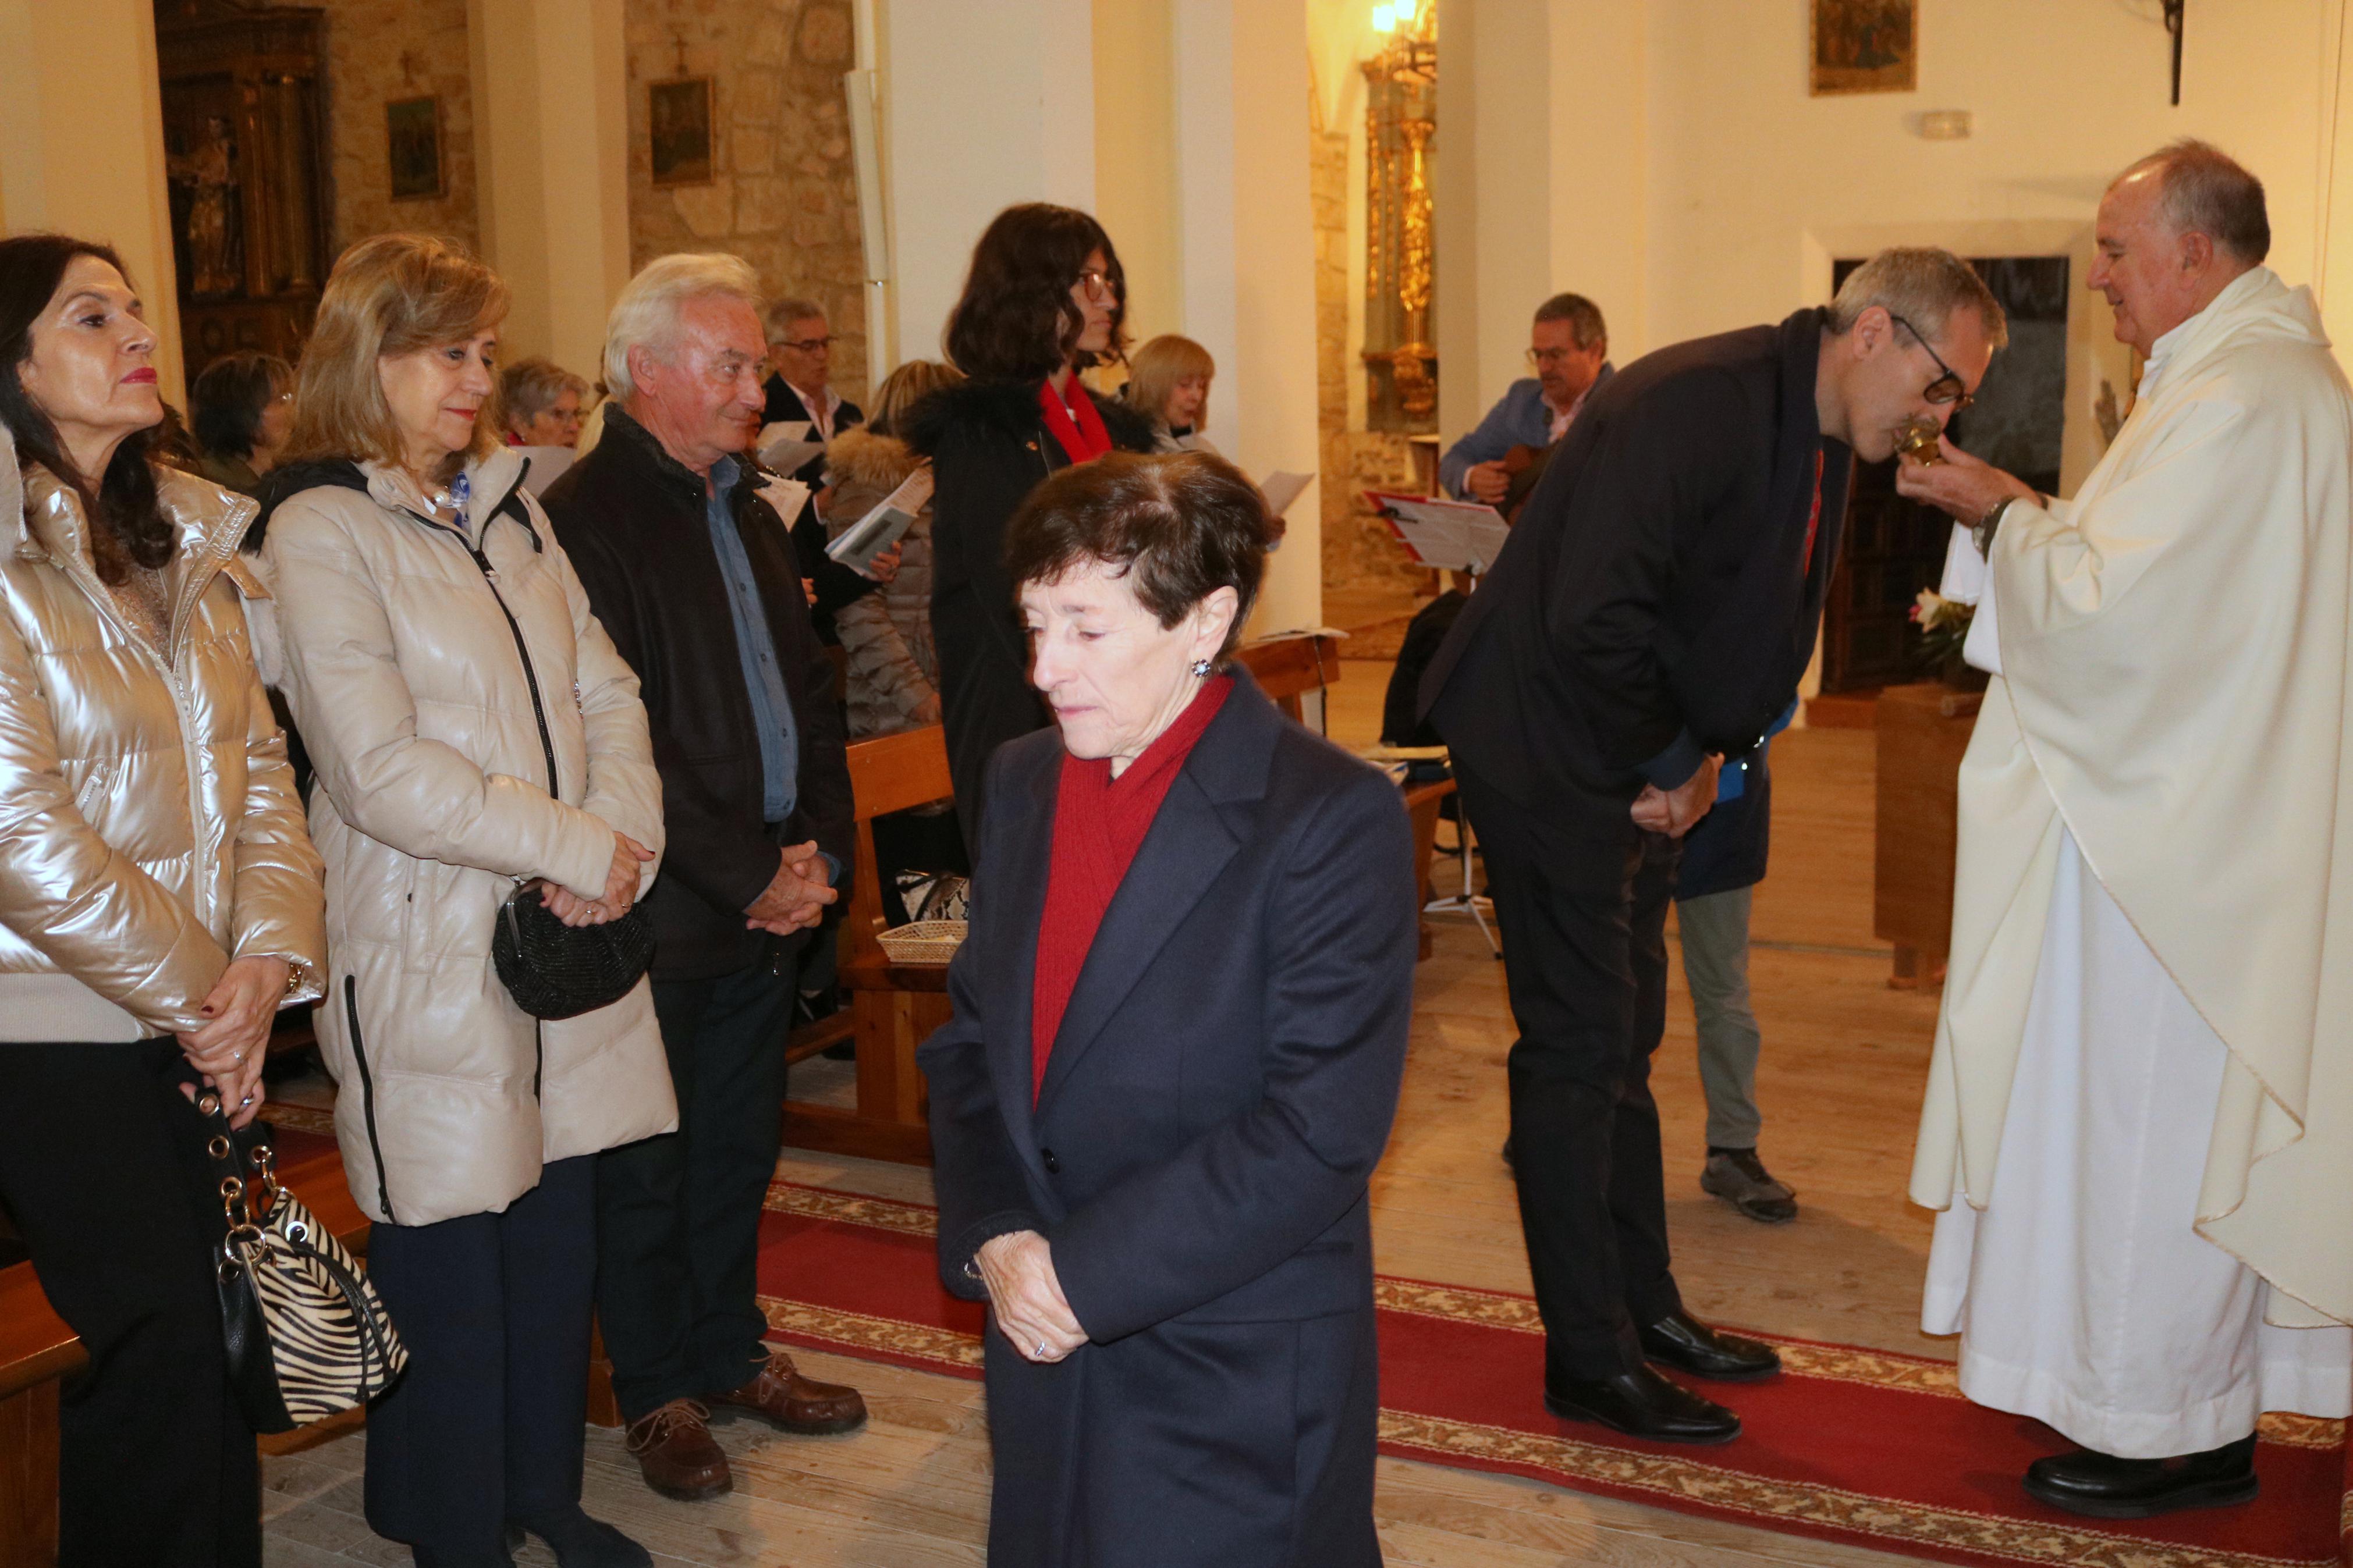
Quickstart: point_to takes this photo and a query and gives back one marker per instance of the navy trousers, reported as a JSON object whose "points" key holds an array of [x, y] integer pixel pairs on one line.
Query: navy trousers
{"points": [[489, 1421], [678, 1216]]}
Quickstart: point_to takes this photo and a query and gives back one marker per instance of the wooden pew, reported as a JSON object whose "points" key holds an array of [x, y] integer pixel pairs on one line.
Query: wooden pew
{"points": [[892, 1006], [37, 1350], [1287, 668]]}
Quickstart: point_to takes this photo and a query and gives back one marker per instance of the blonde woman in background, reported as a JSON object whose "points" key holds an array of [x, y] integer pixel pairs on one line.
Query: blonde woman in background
{"points": [[1168, 383], [443, 664], [895, 672]]}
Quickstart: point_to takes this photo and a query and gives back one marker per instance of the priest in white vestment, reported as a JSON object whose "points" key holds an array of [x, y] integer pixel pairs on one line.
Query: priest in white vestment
{"points": [[2139, 1114]]}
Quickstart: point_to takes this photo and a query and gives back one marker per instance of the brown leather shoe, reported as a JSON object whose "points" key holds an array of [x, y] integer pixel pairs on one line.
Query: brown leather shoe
{"points": [[674, 1449], [791, 1403]]}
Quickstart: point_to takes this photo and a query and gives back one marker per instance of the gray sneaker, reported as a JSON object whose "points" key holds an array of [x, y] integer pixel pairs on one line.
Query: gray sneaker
{"points": [[1740, 1179]]}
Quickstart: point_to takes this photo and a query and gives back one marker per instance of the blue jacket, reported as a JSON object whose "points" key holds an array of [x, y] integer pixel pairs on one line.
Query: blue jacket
{"points": [[1520, 418]]}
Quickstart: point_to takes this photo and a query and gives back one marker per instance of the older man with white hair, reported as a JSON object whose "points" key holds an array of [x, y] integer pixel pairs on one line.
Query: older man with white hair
{"points": [[2149, 1012], [688, 567]]}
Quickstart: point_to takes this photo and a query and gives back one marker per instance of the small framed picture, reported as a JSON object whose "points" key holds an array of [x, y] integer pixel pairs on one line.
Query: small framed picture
{"points": [[412, 135], [1864, 46], [678, 114]]}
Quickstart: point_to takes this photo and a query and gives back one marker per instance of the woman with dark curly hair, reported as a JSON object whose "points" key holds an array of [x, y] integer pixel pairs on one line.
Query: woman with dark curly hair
{"points": [[1045, 300]]}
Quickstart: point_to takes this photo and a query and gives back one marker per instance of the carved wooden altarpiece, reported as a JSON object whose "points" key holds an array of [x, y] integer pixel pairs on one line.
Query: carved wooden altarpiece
{"points": [[244, 148]]}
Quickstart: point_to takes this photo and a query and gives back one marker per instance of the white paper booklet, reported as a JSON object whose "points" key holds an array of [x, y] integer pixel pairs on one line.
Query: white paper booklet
{"points": [[787, 496], [1281, 488], [1451, 536], [785, 446], [878, 529]]}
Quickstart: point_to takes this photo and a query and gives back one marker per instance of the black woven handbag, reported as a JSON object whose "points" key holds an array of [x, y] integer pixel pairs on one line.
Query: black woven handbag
{"points": [[306, 1335], [556, 971], [553, 970]]}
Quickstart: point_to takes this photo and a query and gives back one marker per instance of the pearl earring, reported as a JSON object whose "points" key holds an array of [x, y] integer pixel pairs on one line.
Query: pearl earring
{"points": [[1200, 669]]}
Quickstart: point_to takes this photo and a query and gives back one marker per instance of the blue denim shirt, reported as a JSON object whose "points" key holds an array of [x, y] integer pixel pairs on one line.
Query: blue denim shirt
{"points": [[763, 679]]}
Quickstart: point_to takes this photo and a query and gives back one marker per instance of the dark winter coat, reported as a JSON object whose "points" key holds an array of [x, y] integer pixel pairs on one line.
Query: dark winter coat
{"points": [[989, 448], [631, 517]]}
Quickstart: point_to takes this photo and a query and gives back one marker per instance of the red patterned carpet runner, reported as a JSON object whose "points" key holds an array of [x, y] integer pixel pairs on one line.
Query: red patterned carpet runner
{"points": [[1849, 1445]]}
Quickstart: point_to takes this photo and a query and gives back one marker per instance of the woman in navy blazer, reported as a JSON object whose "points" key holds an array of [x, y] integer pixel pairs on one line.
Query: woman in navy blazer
{"points": [[1180, 1024]]}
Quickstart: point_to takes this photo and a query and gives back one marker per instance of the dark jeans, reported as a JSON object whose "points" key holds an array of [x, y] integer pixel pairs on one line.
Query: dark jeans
{"points": [[678, 1216], [489, 1422], [1581, 897], [102, 1166]]}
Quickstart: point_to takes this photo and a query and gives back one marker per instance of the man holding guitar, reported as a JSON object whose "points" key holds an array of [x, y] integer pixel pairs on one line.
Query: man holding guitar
{"points": [[1570, 347]]}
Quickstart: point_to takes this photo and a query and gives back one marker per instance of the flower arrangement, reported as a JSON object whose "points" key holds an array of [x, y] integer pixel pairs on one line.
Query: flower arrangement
{"points": [[1943, 626]]}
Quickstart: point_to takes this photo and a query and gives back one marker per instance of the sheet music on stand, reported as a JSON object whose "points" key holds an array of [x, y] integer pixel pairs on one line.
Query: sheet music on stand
{"points": [[1446, 535]]}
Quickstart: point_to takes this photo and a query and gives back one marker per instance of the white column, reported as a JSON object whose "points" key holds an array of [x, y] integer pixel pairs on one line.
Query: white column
{"points": [[92, 166], [982, 106], [1599, 119], [1248, 267], [1510, 63], [550, 159]]}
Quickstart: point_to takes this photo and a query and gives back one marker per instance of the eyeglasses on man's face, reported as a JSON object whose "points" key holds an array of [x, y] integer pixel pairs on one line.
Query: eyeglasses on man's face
{"points": [[1547, 359], [806, 345], [1948, 388]]}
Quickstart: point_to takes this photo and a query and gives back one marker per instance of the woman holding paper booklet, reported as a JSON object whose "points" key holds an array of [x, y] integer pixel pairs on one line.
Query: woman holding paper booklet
{"points": [[894, 671], [1044, 300]]}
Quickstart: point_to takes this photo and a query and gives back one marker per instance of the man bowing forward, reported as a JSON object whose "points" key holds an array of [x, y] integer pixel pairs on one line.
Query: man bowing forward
{"points": [[2139, 1117]]}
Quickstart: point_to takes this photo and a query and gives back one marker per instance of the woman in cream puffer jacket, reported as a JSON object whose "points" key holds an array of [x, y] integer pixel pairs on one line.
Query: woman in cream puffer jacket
{"points": [[441, 663], [432, 805]]}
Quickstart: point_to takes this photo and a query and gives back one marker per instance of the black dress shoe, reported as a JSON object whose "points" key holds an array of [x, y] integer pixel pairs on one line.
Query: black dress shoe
{"points": [[1641, 1404], [2105, 1487], [1682, 1342]]}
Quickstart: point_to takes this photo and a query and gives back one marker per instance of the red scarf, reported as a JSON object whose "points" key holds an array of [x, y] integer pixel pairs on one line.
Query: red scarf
{"points": [[1099, 822], [1083, 440]]}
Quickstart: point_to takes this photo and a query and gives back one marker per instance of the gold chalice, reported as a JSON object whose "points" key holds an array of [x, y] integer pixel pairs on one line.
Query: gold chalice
{"points": [[1916, 439]]}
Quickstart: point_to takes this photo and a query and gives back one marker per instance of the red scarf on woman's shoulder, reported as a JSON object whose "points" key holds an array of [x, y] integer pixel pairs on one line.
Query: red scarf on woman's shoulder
{"points": [[1078, 427], [1099, 822]]}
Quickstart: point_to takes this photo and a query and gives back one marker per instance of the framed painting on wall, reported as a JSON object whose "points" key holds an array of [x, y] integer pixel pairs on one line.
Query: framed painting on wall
{"points": [[679, 114], [413, 133], [1863, 46]]}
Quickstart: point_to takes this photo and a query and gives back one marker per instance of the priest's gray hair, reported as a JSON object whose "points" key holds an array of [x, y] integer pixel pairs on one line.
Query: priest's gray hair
{"points": [[1925, 286], [2203, 189], [646, 315]]}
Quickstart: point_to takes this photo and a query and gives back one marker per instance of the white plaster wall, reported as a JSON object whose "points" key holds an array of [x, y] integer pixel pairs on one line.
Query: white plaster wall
{"points": [[81, 144], [984, 105]]}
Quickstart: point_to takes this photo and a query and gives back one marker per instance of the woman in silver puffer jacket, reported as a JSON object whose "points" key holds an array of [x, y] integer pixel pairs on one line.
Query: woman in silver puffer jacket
{"points": [[159, 900]]}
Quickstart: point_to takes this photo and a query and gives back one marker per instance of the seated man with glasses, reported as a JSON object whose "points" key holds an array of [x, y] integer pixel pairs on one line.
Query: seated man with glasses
{"points": [[1569, 349]]}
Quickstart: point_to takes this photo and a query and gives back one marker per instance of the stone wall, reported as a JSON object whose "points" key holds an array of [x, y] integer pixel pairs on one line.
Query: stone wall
{"points": [[379, 52], [783, 194], [1365, 569]]}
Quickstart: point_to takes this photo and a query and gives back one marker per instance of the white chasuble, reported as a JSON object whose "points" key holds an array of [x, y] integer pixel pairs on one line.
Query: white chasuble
{"points": [[2139, 1114]]}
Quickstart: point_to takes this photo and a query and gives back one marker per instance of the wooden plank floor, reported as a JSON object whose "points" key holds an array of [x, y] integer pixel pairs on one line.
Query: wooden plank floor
{"points": [[1840, 1085]]}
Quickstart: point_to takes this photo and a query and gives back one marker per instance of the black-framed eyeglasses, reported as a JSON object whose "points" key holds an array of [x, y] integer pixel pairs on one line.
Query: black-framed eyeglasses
{"points": [[1947, 389]]}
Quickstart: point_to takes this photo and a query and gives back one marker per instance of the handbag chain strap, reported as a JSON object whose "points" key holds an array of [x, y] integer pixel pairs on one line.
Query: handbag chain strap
{"points": [[246, 1217]]}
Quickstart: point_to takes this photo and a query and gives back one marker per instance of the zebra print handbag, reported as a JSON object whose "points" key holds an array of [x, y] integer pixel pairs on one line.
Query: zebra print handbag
{"points": [[308, 1338]]}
